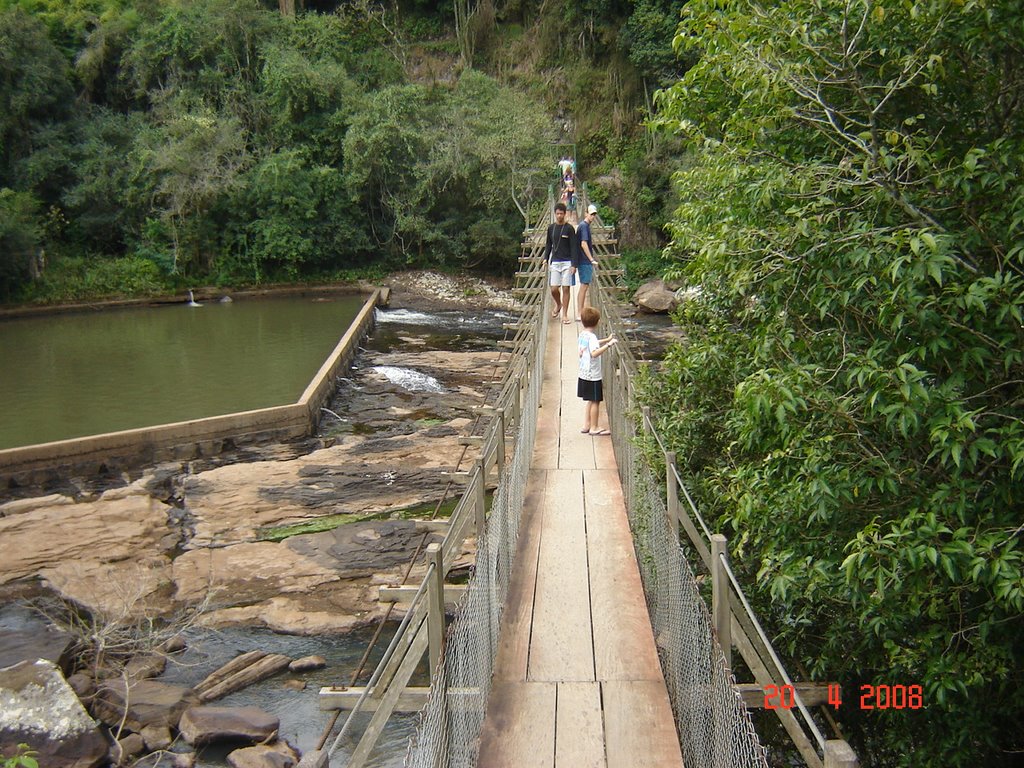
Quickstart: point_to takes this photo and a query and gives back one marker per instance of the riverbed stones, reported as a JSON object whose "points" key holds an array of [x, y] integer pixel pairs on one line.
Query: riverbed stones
{"points": [[167, 760], [126, 748], [279, 754], [148, 702], [38, 708], [145, 667], [156, 737], [206, 724]]}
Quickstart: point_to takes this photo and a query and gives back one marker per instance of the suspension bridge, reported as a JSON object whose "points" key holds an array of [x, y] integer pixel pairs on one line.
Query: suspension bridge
{"points": [[582, 637]]}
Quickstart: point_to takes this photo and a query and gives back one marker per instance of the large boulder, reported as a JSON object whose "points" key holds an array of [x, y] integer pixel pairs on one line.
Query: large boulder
{"points": [[204, 725], [38, 708], [148, 702], [655, 297]]}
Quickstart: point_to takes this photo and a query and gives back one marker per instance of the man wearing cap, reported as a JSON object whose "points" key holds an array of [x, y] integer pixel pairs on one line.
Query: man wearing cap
{"points": [[585, 255]]}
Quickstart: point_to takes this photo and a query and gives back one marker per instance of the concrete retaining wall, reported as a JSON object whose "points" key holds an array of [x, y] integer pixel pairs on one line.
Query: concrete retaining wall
{"points": [[190, 439]]}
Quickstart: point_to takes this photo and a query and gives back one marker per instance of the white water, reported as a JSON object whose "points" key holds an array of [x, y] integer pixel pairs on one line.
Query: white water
{"points": [[450, 319], [413, 381]]}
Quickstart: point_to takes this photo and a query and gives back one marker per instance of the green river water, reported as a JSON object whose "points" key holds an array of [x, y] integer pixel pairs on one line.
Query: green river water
{"points": [[71, 375]]}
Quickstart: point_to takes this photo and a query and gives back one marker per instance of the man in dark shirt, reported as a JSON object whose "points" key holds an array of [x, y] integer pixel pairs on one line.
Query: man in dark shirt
{"points": [[560, 251]]}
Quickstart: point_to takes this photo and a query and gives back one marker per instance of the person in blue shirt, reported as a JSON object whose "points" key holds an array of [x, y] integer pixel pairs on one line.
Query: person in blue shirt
{"points": [[585, 255]]}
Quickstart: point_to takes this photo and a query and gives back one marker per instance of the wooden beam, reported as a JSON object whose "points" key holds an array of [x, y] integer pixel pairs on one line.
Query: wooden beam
{"points": [[411, 699], [404, 594], [432, 526]]}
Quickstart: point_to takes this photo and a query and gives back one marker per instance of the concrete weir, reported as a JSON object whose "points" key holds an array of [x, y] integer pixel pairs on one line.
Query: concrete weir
{"points": [[198, 437]]}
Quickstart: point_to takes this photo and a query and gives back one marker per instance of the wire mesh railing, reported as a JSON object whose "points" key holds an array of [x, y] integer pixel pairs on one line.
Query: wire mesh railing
{"points": [[450, 723], [694, 643], [460, 654]]}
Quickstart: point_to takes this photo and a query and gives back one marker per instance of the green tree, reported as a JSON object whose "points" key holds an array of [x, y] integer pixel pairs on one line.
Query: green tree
{"points": [[196, 160], [34, 87], [20, 238], [850, 398]]}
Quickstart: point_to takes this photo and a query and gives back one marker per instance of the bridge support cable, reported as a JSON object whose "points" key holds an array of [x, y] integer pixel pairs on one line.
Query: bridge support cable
{"points": [[695, 644]]}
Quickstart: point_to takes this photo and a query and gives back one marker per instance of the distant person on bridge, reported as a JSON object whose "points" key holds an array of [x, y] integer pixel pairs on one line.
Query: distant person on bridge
{"points": [[560, 252], [585, 256], [590, 386]]}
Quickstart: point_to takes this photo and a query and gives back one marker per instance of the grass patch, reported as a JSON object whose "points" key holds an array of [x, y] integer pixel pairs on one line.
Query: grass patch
{"points": [[321, 524], [330, 522]]}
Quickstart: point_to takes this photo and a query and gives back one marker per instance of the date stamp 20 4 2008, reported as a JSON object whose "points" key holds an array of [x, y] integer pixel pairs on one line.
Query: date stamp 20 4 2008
{"points": [[871, 696]]}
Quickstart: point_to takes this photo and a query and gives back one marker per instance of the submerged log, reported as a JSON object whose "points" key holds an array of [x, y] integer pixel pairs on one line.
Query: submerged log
{"points": [[232, 667], [262, 668]]}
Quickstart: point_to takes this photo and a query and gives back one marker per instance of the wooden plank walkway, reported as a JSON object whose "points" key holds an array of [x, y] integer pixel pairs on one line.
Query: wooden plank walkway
{"points": [[577, 681]]}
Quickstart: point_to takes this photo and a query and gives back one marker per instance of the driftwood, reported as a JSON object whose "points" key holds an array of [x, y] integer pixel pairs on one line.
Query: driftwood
{"points": [[240, 672]]}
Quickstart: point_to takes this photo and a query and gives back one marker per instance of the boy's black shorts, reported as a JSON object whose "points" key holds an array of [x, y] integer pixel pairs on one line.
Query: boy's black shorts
{"points": [[590, 390]]}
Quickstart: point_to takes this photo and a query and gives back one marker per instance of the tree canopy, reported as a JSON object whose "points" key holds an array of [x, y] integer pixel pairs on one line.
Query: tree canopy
{"points": [[849, 401], [220, 139]]}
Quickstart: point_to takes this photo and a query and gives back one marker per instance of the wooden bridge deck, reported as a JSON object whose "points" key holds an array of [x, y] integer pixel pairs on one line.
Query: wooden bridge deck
{"points": [[577, 681]]}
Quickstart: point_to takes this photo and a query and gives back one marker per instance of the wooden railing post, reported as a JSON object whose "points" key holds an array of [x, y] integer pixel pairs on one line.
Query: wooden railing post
{"points": [[672, 494], [720, 612], [839, 754], [435, 609], [517, 406], [479, 501], [502, 420]]}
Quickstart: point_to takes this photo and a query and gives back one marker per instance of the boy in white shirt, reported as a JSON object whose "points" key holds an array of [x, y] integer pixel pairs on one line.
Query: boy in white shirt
{"points": [[590, 387]]}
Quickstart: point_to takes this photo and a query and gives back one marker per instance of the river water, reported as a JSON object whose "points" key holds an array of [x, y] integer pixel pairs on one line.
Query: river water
{"points": [[302, 722], [79, 374]]}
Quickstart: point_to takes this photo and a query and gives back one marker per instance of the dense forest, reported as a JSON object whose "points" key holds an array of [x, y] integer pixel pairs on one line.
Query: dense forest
{"points": [[840, 184], [148, 145], [850, 400]]}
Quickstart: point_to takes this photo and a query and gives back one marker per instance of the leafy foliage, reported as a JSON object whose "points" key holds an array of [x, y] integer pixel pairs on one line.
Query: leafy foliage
{"points": [[850, 400], [219, 139], [23, 758]]}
